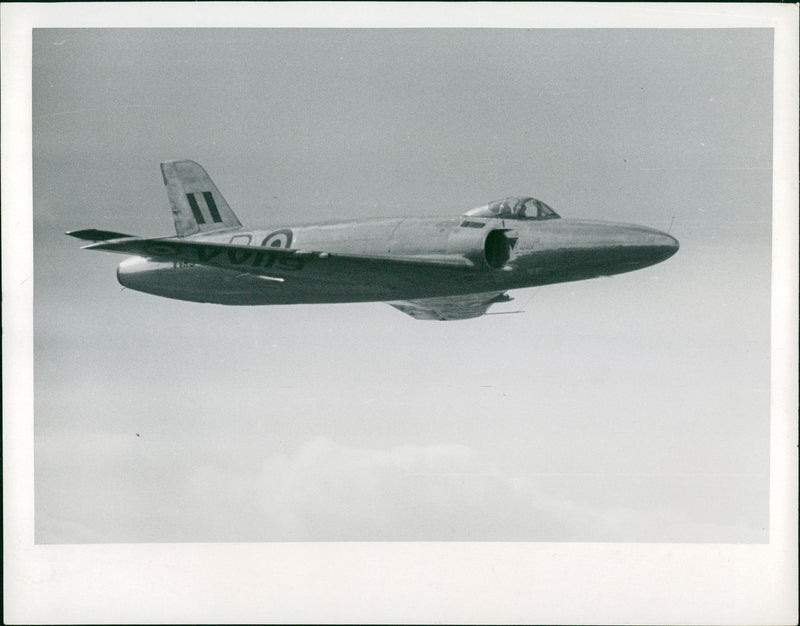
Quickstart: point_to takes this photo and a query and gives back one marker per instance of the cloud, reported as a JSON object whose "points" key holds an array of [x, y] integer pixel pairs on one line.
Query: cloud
{"points": [[443, 492], [329, 491]]}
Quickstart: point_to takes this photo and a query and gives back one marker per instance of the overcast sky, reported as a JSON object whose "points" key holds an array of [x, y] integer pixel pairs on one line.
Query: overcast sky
{"points": [[632, 408]]}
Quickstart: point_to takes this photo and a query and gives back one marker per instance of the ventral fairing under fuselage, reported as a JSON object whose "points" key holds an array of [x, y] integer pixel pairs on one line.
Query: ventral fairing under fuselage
{"points": [[429, 268]]}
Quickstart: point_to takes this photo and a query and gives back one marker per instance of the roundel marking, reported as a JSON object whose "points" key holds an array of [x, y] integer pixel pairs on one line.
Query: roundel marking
{"points": [[279, 239]]}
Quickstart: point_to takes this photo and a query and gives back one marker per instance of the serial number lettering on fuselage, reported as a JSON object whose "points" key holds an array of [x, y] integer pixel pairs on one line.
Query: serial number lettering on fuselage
{"points": [[254, 257]]}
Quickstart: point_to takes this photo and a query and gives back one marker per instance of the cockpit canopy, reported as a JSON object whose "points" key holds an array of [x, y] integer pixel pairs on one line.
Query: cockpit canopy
{"points": [[514, 208]]}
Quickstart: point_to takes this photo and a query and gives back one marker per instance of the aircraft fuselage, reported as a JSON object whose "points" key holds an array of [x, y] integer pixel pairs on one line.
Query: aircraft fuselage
{"points": [[497, 255]]}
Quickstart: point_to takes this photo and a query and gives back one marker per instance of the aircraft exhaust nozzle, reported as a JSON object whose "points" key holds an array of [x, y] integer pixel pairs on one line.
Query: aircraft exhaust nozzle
{"points": [[141, 274]]}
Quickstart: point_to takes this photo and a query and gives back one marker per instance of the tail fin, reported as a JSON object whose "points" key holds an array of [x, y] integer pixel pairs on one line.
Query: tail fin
{"points": [[197, 205]]}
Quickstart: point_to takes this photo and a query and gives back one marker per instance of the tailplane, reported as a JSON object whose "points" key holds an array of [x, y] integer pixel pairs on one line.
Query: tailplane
{"points": [[197, 205]]}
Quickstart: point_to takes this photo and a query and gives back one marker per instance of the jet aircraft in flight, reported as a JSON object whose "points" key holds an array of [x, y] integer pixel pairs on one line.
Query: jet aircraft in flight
{"points": [[430, 268]]}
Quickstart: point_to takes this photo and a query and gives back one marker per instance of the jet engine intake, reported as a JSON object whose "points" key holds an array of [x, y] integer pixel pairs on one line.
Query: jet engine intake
{"points": [[497, 249]]}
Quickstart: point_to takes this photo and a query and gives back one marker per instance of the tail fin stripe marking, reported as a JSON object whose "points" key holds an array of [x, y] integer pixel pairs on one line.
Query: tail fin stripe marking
{"points": [[198, 215], [196, 203], [212, 206]]}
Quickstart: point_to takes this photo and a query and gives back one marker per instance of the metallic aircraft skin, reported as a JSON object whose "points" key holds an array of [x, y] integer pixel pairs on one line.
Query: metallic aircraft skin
{"points": [[430, 268]]}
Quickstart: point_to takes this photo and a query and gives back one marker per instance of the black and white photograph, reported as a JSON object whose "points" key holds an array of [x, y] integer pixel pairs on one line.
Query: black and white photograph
{"points": [[300, 287]]}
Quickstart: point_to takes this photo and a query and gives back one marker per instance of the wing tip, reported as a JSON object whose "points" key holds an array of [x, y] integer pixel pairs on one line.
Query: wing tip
{"points": [[93, 234]]}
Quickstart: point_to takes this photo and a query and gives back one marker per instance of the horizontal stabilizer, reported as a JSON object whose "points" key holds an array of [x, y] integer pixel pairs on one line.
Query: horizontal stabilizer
{"points": [[92, 234]]}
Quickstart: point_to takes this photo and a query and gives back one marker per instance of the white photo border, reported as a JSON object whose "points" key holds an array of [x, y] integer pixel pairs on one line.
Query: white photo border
{"points": [[393, 582]]}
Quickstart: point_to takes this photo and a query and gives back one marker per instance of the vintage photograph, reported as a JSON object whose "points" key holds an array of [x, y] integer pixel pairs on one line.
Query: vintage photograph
{"points": [[391, 285], [399, 312]]}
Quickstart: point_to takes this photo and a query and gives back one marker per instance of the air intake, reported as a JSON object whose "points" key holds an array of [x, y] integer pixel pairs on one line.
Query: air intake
{"points": [[497, 249]]}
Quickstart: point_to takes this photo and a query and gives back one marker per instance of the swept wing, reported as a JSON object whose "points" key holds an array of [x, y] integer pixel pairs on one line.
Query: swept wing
{"points": [[450, 307]]}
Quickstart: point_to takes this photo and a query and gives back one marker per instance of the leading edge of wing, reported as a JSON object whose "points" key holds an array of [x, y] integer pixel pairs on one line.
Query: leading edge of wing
{"points": [[257, 259]]}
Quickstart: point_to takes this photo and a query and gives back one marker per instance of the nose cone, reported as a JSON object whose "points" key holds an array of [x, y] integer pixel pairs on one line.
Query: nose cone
{"points": [[647, 246], [617, 248], [662, 245], [641, 247]]}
